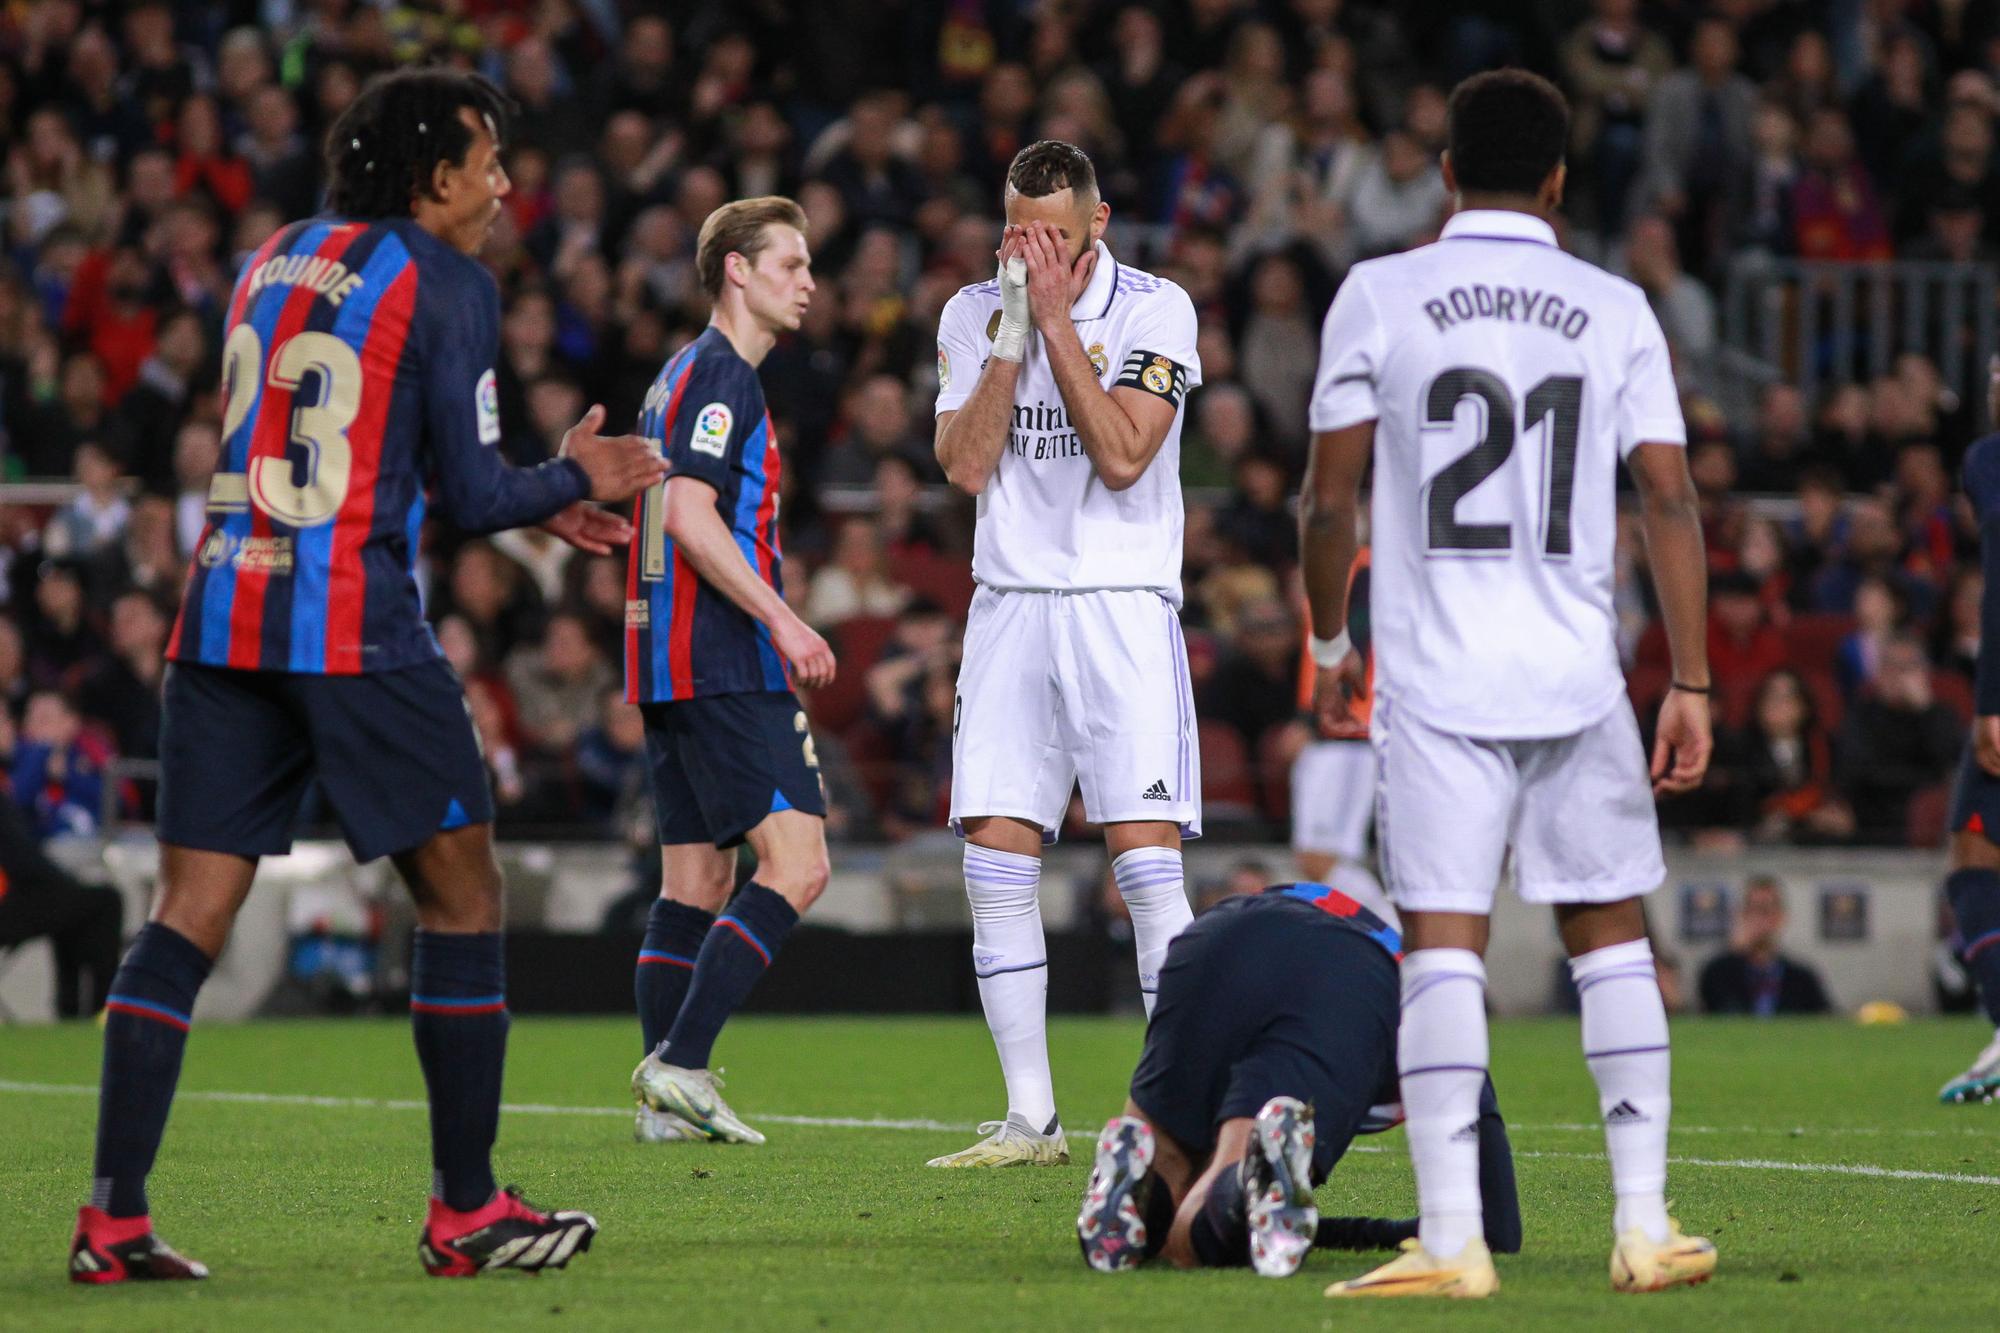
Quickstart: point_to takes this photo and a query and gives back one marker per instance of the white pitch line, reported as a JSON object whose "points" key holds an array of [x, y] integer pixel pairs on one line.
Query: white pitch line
{"points": [[1788, 1131], [1862, 1169]]}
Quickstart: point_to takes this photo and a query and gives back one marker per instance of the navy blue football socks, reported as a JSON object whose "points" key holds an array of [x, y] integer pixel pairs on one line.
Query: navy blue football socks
{"points": [[1220, 1232], [146, 1021], [1975, 900], [458, 1013], [739, 946], [674, 935]]}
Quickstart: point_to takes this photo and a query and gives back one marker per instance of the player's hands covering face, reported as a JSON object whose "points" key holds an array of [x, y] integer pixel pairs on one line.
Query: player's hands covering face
{"points": [[1054, 284]]}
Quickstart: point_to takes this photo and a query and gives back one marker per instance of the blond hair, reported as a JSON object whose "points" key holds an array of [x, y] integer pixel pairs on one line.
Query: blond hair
{"points": [[738, 228]]}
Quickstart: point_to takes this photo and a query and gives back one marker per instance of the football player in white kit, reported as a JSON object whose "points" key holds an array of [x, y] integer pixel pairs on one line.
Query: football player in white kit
{"points": [[1497, 382], [1060, 392]]}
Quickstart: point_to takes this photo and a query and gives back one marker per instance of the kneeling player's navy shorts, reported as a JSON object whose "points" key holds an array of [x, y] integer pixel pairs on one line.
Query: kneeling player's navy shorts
{"points": [[1975, 799], [1268, 996], [394, 753], [723, 762]]}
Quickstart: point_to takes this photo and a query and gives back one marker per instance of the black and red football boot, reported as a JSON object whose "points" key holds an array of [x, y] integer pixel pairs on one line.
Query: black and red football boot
{"points": [[506, 1232], [124, 1249]]}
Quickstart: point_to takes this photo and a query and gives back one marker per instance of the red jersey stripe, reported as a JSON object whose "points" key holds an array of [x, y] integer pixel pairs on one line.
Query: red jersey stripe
{"points": [[347, 586], [680, 635]]}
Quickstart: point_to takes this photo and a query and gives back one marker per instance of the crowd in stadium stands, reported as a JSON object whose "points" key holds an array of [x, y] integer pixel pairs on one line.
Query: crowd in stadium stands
{"points": [[1251, 151]]}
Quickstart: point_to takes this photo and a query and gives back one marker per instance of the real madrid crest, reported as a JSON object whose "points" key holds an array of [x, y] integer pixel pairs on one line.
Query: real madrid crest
{"points": [[1097, 361], [993, 326], [1157, 378]]}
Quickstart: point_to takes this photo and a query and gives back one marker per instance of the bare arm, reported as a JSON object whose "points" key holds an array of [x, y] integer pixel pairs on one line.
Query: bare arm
{"points": [[971, 439], [1121, 430], [1327, 542], [702, 537], [1671, 518]]}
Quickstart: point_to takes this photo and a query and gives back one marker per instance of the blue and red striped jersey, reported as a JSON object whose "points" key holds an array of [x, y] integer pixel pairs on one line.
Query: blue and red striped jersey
{"points": [[357, 375], [684, 639]]}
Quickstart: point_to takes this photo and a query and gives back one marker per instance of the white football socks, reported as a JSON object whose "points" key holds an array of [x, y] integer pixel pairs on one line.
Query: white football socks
{"points": [[1012, 963], [1625, 1045], [1441, 1054], [1153, 883]]}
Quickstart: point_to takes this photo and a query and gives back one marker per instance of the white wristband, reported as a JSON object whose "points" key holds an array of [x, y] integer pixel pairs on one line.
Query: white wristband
{"points": [[1330, 653]]}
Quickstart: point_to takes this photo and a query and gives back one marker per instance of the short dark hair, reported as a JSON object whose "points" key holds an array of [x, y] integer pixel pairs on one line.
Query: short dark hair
{"points": [[1048, 165], [1508, 131], [387, 144]]}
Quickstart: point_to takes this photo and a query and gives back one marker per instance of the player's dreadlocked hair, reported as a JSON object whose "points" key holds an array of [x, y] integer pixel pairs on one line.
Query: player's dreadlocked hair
{"points": [[386, 146], [1049, 165]]}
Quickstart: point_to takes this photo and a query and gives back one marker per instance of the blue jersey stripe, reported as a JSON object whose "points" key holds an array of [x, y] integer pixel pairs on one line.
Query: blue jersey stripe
{"points": [[313, 547], [219, 597]]}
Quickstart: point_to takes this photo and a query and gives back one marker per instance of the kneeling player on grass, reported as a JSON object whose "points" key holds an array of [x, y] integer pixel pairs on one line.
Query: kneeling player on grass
{"points": [[357, 373], [710, 649], [1273, 1044]]}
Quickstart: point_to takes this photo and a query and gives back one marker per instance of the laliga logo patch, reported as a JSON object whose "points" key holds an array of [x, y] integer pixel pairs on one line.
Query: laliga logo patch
{"points": [[711, 430], [944, 368], [486, 398], [1098, 362]]}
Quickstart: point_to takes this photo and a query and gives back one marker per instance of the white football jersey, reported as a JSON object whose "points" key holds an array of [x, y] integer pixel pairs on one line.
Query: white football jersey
{"points": [[1045, 519], [1506, 380]]}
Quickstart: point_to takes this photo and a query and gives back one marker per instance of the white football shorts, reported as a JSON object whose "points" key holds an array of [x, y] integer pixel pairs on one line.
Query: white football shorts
{"points": [[1576, 811], [1075, 688], [1333, 798]]}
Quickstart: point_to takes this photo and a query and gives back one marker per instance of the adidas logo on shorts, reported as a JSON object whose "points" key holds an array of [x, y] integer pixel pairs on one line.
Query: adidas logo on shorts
{"points": [[1157, 792]]}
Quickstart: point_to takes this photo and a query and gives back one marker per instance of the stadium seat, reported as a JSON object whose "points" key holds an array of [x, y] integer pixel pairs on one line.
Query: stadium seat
{"points": [[1812, 640], [1274, 773], [1954, 692], [1928, 818], [1228, 783], [945, 579], [857, 645]]}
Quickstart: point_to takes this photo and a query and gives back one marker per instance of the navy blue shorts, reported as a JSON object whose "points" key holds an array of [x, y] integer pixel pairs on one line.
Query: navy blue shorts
{"points": [[394, 753], [722, 763], [1976, 794], [1267, 996]]}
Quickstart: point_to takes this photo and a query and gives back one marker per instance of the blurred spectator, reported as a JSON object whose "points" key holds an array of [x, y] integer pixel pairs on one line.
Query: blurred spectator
{"points": [[905, 527], [197, 449], [857, 580], [1955, 642], [611, 762], [557, 683], [122, 689], [1698, 141], [1258, 519], [57, 768], [1743, 645], [1774, 777], [1280, 349], [1399, 198], [41, 900], [1753, 978], [1872, 548], [878, 424], [1878, 617], [96, 518], [1255, 686], [1223, 431], [1776, 456], [1245, 879], [1685, 310], [1897, 740], [1611, 64], [151, 412], [59, 634], [1835, 213]]}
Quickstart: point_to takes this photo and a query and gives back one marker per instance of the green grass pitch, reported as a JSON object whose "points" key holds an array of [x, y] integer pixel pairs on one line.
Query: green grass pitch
{"points": [[1841, 1195]]}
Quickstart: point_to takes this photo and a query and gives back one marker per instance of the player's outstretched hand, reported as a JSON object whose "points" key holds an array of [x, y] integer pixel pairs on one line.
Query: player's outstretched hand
{"points": [[801, 645], [1334, 691], [1681, 744], [619, 466], [1986, 744], [590, 529]]}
